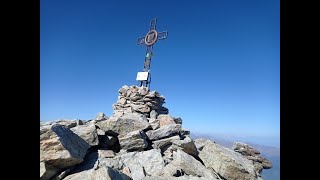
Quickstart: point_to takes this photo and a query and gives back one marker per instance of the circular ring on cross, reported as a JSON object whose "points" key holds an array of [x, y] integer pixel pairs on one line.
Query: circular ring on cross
{"points": [[151, 37]]}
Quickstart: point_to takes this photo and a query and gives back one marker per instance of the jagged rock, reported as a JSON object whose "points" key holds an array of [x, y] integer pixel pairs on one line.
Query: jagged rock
{"points": [[61, 147], [135, 140], [186, 145], [253, 155], [101, 116], [162, 143], [143, 91], [177, 120], [140, 108], [79, 122], [201, 142], [182, 162], [227, 163], [87, 133], [164, 131], [123, 90], [266, 164], [122, 101], [244, 149], [125, 124], [67, 123], [184, 132], [151, 161], [153, 114], [165, 119], [258, 167], [114, 162], [47, 171], [168, 153], [102, 173], [171, 169], [154, 123], [106, 153]]}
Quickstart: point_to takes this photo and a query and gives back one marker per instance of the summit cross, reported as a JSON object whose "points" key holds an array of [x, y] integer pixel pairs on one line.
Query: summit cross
{"points": [[149, 40]]}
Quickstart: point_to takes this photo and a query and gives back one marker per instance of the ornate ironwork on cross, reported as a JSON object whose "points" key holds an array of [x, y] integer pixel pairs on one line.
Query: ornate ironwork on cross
{"points": [[149, 40]]}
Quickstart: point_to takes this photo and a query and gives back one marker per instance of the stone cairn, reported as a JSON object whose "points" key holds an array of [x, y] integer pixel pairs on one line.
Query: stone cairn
{"points": [[139, 141]]}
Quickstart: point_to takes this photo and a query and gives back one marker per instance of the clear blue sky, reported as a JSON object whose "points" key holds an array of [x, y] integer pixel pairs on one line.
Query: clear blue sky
{"points": [[219, 68]]}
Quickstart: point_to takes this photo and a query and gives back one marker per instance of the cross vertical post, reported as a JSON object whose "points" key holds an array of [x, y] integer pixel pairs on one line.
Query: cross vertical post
{"points": [[149, 40]]}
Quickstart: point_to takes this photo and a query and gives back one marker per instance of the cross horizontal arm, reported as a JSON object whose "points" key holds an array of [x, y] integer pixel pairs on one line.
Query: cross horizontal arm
{"points": [[162, 35], [140, 40]]}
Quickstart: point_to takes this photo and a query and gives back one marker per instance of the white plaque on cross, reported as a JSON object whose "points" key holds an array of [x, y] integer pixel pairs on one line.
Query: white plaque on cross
{"points": [[142, 76]]}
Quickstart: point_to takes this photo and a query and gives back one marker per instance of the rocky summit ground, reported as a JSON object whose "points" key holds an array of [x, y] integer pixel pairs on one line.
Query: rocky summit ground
{"points": [[139, 141]]}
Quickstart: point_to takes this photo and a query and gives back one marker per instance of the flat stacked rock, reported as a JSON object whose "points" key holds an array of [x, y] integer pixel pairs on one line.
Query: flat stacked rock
{"points": [[139, 141]]}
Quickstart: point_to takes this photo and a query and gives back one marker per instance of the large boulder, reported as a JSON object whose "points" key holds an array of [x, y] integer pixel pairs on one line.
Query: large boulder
{"points": [[88, 133], [135, 140], [189, 165], [126, 123], [187, 145], [164, 131], [145, 162], [62, 148], [227, 163], [201, 142]]}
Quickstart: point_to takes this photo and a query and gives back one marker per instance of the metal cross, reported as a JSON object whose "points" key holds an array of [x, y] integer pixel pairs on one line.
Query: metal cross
{"points": [[149, 40]]}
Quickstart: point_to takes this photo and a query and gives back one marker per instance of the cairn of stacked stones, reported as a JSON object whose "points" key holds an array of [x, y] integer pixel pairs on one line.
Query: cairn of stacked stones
{"points": [[139, 141]]}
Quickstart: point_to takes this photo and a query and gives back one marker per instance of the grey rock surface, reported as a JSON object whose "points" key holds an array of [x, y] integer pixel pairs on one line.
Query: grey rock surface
{"points": [[87, 133], [62, 148], [164, 131]]}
